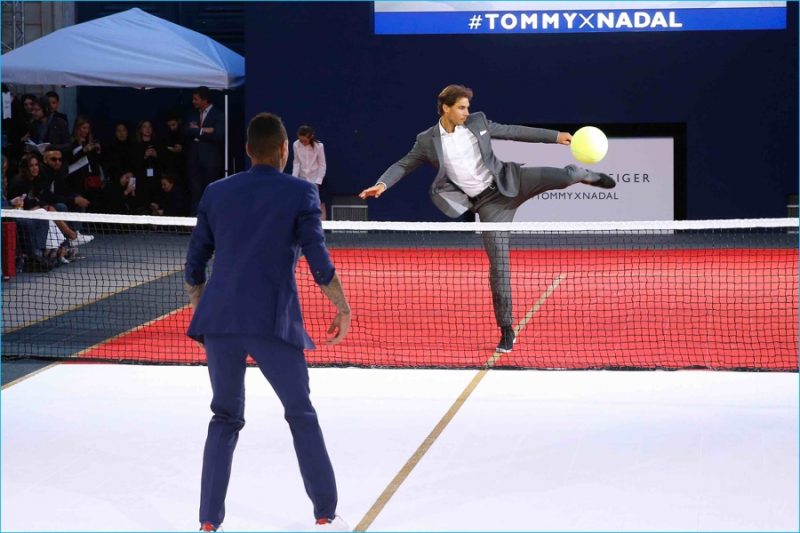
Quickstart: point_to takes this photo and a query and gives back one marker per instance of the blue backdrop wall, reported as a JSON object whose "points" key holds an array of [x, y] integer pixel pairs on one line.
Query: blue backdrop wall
{"points": [[368, 96]]}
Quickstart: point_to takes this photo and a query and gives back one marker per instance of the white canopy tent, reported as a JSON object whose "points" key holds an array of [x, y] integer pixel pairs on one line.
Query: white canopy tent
{"points": [[128, 49]]}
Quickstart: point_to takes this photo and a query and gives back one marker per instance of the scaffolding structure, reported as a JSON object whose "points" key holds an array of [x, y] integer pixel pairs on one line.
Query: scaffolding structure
{"points": [[14, 36]]}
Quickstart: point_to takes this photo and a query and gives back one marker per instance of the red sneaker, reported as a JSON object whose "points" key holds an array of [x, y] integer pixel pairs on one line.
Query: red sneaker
{"points": [[208, 526], [332, 524]]}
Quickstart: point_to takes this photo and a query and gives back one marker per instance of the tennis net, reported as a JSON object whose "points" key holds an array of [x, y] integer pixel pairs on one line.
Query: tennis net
{"points": [[683, 294]]}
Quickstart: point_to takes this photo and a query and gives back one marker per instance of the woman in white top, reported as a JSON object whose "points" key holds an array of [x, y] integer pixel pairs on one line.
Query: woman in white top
{"points": [[309, 159]]}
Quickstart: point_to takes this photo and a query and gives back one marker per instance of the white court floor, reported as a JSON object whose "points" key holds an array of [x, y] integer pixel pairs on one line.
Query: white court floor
{"points": [[118, 448]]}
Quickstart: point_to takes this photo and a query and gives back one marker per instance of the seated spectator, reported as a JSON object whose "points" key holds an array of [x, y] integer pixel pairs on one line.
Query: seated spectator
{"points": [[84, 176], [171, 201], [118, 157], [24, 185], [16, 127], [40, 238], [55, 101], [28, 185], [46, 128], [120, 195], [54, 189], [147, 161], [31, 234], [27, 103], [175, 156], [54, 185]]}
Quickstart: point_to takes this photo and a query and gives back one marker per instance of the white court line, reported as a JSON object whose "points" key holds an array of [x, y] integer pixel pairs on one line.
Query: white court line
{"points": [[423, 448]]}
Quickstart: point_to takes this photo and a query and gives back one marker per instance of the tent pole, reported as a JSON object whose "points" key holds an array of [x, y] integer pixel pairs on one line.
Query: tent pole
{"points": [[226, 134]]}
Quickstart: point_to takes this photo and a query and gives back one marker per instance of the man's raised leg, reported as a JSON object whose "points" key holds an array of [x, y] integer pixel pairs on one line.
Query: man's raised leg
{"points": [[536, 180]]}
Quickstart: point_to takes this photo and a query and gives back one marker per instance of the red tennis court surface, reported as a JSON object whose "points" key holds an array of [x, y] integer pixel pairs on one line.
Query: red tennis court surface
{"points": [[714, 308]]}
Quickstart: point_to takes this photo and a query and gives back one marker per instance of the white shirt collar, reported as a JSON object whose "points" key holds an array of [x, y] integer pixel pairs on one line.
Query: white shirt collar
{"points": [[443, 131]]}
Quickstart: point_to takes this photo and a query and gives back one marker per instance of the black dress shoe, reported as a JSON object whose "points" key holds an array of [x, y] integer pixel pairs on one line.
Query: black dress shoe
{"points": [[605, 181], [507, 340]]}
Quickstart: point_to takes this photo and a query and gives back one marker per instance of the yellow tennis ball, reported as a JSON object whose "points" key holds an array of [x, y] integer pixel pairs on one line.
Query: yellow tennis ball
{"points": [[589, 145]]}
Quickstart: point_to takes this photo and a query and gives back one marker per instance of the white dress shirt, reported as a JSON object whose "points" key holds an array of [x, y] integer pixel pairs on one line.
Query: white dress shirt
{"points": [[463, 162], [309, 162], [203, 115]]}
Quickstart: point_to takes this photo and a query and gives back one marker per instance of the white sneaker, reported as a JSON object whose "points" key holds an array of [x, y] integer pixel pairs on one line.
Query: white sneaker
{"points": [[81, 239], [335, 524]]}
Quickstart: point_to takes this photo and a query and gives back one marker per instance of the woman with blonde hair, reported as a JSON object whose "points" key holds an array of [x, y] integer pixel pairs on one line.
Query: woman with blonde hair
{"points": [[83, 160]]}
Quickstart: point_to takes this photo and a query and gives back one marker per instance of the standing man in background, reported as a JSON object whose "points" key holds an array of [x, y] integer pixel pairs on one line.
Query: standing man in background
{"points": [[55, 102], [205, 139], [256, 224]]}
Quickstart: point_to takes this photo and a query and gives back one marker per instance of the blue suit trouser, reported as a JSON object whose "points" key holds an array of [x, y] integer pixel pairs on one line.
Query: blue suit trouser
{"points": [[285, 368]]}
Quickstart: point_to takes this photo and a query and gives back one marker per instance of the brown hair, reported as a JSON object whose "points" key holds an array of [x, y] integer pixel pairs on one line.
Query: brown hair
{"points": [[265, 135], [307, 131], [139, 130], [25, 166], [451, 94], [203, 92], [43, 102]]}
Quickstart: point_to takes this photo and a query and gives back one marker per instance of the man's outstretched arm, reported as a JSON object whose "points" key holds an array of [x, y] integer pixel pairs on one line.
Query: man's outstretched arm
{"points": [[527, 134], [410, 162]]}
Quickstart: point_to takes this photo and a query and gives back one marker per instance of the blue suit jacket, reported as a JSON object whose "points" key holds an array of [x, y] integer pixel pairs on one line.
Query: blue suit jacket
{"points": [[256, 224]]}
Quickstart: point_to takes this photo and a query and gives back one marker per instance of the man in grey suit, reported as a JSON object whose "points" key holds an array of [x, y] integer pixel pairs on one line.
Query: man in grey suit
{"points": [[471, 178]]}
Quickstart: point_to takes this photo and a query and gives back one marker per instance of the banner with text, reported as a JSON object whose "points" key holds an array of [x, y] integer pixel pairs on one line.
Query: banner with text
{"points": [[643, 168], [405, 18]]}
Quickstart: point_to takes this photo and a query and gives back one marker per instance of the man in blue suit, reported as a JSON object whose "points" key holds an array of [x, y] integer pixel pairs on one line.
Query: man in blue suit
{"points": [[256, 224]]}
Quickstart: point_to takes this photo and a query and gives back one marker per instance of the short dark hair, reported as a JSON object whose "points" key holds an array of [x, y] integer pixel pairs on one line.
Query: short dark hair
{"points": [[167, 177], [203, 92], [44, 103], [51, 148], [49, 151], [265, 135], [451, 94], [53, 94]]}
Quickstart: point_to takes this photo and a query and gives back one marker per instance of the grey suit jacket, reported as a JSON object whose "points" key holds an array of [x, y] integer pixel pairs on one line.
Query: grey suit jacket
{"points": [[428, 149]]}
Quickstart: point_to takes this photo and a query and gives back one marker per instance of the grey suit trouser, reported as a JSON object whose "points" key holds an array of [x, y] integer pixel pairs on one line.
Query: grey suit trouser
{"points": [[499, 208]]}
